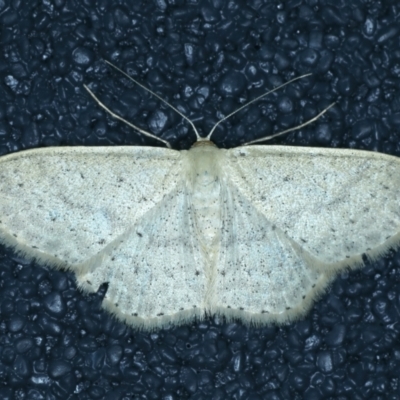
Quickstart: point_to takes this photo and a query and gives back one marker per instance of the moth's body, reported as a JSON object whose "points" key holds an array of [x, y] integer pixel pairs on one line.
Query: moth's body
{"points": [[204, 180]]}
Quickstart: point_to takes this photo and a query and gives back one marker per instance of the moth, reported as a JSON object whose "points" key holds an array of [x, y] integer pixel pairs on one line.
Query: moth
{"points": [[254, 233]]}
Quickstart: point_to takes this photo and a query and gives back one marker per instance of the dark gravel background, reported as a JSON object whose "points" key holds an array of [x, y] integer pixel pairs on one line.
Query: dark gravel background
{"points": [[208, 58]]}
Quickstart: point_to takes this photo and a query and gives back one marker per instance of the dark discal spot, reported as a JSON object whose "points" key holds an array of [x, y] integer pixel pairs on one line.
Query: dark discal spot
{"points": [[228, 306], [116, 304], [181, 309], [20, 184], [197, 273], [288, 308], [304, 296], [34, 247], [264, 312], [241, 308], [194, 307], [101, 241], [139, 234], [303, 240], [89, 282], [15, 235], [82, 176], [134, 314], [112, 258], [347, 256], [53, 219], [313, 286], [160, 314], [223, 273]]}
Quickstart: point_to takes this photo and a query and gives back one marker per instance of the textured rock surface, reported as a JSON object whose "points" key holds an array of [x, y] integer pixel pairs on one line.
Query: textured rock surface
{"points": [[205, 57]]}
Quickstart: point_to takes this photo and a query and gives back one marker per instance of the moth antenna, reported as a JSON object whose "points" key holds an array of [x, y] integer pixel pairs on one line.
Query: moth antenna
{"points": [[199, 138], [125, 121], [252, 101], [265, 138]]}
